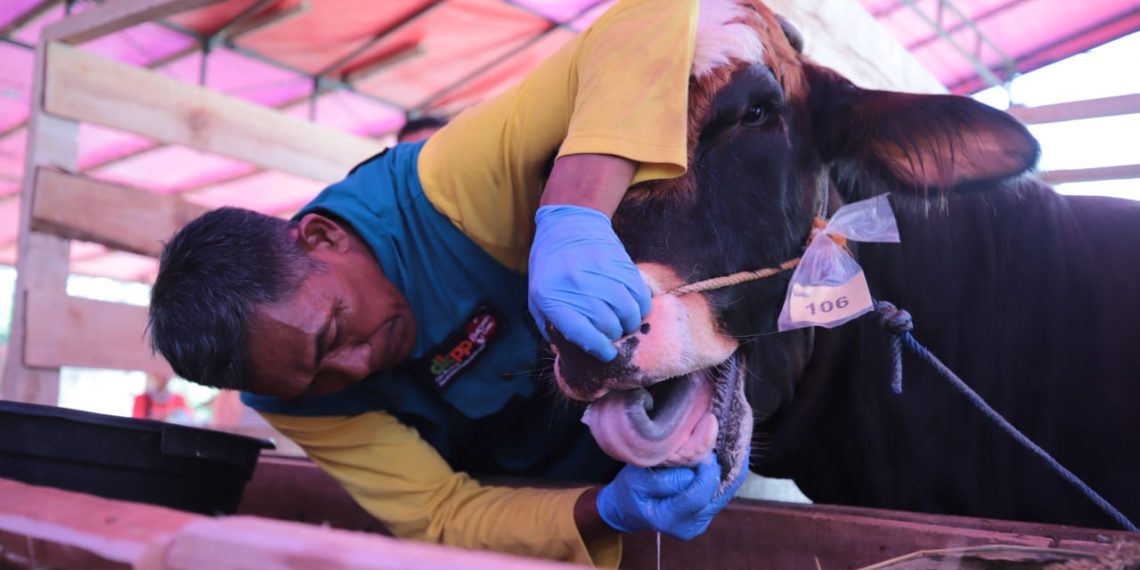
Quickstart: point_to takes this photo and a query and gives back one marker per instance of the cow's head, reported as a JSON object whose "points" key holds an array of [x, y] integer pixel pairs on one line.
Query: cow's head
{"points": [[767, 129]]}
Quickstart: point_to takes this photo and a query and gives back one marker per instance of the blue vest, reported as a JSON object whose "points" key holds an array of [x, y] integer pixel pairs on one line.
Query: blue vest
{"points": [[492, 416]]}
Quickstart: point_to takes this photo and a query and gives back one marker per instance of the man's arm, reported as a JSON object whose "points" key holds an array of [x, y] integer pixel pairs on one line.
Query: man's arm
{"points": [[597, 181], [582, 282], [588, 520], [630, 101]]}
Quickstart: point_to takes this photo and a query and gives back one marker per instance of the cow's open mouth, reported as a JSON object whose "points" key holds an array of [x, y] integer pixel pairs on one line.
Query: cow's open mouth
{"points": [[677, 421]]}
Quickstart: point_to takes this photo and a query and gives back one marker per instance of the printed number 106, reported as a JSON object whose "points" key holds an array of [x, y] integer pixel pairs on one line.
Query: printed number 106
{"points": [[828, 306]]}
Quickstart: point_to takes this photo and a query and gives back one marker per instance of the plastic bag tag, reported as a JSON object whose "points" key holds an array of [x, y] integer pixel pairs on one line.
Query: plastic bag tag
{"points": [[828, 287], [868, 220], [828, 305]]}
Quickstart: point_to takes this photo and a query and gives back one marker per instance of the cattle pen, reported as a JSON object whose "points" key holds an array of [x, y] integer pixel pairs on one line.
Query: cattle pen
{"points": [[290, 513]]}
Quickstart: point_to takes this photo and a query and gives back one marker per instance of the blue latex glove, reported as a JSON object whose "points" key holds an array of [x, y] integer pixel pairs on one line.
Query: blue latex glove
{"points": [[582, 281], [678, 501], [722, 499]]}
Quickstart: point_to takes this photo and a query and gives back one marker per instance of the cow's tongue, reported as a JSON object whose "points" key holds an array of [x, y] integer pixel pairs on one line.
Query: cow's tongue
{"points": [[670, 423]]}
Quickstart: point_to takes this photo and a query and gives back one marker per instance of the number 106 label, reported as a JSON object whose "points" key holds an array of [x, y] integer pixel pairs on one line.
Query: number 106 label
{"points": [[829, 305]]}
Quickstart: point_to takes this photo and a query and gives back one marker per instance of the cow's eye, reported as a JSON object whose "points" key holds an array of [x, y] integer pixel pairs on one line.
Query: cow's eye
{"points": [[755, 115]]}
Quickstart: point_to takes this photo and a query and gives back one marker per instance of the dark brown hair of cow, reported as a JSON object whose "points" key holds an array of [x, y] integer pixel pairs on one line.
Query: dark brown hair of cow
{"points": [[927, 144]]}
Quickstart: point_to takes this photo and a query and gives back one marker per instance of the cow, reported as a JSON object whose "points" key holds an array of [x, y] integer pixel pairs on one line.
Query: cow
{"points": [[1032, 297]]}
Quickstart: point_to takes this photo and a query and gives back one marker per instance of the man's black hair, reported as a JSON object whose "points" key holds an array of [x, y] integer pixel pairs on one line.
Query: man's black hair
{"points": [[211, 276], [424, 122]]}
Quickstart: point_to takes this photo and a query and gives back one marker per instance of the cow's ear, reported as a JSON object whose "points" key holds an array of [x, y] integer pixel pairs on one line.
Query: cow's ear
{"points": [[923, 141]]}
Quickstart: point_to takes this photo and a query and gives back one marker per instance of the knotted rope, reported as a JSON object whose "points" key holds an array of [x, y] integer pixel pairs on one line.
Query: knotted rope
{"points": [[899, 323]]}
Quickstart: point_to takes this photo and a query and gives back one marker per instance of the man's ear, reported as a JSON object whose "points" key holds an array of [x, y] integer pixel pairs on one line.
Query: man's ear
{"points": [[315, 232], [920, 141]]}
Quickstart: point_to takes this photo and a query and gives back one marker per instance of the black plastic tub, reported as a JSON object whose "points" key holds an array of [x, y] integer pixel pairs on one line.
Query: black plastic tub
{"points": [[191, 469]]}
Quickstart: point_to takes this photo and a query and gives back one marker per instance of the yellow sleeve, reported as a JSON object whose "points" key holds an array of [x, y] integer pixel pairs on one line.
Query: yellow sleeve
{"points": [[619, 88], [401, 480], [633, 77]]}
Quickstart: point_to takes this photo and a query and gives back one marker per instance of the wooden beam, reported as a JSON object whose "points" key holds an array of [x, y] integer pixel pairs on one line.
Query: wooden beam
{"points": [[42, 527], [72, 331], [1075, 110], [751, 534], [119, 217], [42, 261], [93, 89], [842, 35], [110, 17], [237, 543], [31, 13], [1099, 173]]}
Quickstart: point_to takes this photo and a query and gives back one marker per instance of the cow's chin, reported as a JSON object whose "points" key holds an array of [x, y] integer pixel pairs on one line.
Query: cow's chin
{"points": [[678, 420]]}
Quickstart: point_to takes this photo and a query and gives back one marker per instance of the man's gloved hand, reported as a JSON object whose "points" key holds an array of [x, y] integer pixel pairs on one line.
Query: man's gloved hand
{"points": [[582, 281], [678, 501], [722, 499]]}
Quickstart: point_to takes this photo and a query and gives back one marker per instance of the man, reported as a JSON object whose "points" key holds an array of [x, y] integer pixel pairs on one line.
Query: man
{"points": [[158, 402], [386, 329]]}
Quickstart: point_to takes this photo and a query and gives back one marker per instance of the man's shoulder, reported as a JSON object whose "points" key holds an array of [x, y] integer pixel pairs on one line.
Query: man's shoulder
{"points": [[376, 184]]}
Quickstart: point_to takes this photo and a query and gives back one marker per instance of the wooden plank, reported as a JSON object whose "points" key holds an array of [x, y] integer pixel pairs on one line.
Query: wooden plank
{"points": [[1120, 172], [841, 34], [1076, 110], [72, 331], [761, 534], [233, 543], [116, 216], [41, 527], [110, 17], [30, 13], [93, 89], [42, 262]]}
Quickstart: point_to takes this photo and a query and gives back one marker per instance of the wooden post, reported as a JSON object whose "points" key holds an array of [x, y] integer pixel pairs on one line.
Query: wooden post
{"points": [[42, 265], [1077, 110]]}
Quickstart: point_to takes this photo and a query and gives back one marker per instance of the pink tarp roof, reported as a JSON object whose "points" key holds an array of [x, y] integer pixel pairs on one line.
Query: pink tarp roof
{"points": [[383, 60], [1030, 33]]}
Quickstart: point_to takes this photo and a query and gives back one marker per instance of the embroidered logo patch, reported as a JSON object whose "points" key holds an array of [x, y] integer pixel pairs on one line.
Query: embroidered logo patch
{"points": [[462, 346]]}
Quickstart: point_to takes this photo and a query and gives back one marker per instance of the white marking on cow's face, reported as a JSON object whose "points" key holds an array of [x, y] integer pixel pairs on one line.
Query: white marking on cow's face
{"points": [[723, 35], [683, 332]]}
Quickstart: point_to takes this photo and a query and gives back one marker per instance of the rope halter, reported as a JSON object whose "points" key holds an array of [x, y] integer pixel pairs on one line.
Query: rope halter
{"points": [[745, 276]]}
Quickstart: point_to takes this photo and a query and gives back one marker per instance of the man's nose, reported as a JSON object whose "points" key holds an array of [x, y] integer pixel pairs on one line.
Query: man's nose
{"points": [[350, 361]]}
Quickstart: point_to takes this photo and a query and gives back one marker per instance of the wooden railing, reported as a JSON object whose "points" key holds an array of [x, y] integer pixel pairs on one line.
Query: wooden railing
{"points": [[51, 329]]}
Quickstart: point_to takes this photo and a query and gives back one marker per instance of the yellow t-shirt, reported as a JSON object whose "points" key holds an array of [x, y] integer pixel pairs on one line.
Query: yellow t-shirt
{"points": [[619, 88], [402, 481]]}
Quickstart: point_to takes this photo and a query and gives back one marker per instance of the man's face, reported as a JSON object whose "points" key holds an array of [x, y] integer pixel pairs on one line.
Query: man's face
{"points": [[343, 322]]}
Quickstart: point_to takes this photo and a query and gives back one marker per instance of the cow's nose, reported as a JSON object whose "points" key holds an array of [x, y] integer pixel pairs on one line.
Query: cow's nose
{"points": [[585, 376]]}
